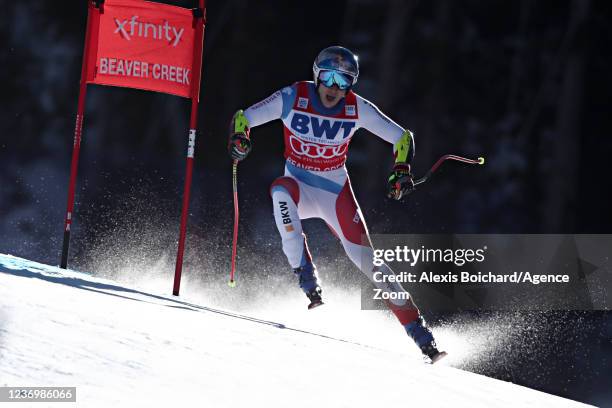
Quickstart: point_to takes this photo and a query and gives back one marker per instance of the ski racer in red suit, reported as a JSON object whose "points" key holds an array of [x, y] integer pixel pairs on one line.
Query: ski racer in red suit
{"points": [[319, 121]]}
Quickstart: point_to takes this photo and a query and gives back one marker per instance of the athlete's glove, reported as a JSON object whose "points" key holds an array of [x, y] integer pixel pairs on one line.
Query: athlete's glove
{"points": [[400, 182], [239, 144]]}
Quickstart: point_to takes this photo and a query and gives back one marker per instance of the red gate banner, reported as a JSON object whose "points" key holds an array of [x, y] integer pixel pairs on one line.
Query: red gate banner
{"points": [[144, 45]]}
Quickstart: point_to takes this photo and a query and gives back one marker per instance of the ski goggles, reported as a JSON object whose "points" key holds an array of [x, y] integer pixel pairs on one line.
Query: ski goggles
{"points": [[329, 78]]}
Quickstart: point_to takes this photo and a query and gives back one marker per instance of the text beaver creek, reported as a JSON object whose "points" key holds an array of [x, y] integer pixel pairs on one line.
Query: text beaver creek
{"points": [[142, 69]]}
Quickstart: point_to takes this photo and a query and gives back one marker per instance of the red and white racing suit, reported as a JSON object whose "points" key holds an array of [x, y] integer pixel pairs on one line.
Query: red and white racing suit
{"points": [[316, 183]]}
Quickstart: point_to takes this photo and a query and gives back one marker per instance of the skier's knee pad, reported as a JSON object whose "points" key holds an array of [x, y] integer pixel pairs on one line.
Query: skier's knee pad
{"points": [[349, 216], [289, 185]]}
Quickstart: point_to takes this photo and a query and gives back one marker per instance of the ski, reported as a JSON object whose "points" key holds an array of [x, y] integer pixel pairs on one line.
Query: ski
{"points": [[315, 303], [437, 357]]}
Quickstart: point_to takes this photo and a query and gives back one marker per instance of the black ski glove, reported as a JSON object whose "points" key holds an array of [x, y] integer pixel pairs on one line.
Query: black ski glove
{"points": [[239, 144], [400, 182]]}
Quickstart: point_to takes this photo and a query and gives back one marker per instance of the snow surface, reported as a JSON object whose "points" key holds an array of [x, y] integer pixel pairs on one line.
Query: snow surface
{"points": [[127, 347]]}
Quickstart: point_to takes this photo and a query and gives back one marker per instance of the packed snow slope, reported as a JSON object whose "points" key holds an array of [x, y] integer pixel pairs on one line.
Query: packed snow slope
{"points": [[125, 347]]}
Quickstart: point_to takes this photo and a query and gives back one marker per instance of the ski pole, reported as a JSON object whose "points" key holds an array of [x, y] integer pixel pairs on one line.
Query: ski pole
{"points": [[441, 160], [232, 282]]}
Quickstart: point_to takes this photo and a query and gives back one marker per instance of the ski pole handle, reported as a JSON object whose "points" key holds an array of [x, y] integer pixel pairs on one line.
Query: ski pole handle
{"points": [[441, 160], [232, 282]]}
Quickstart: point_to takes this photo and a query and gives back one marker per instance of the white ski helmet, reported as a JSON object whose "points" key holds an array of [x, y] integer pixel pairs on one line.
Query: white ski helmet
{"points": [[339, 59]]}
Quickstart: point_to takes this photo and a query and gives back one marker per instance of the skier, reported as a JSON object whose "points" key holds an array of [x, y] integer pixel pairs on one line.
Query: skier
{"points": [[319, 121]]}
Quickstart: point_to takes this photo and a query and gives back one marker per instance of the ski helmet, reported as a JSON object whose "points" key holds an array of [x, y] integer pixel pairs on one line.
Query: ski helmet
{"points": [[338, 59]]}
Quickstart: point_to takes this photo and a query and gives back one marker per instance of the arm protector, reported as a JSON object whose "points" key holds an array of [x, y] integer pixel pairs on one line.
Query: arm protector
{"points": [[403, 150]]}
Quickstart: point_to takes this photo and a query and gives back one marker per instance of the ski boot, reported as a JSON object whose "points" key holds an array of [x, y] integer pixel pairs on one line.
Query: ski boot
{"points": [[307, 275], [423, 338]]}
